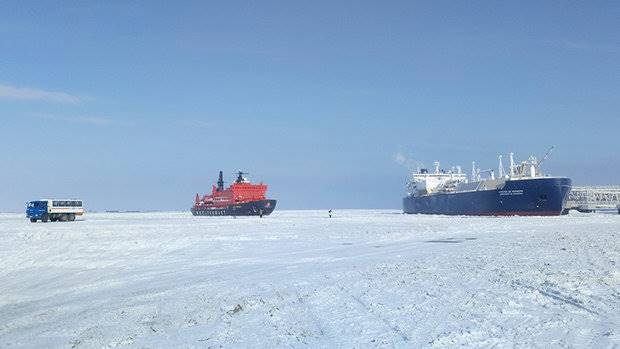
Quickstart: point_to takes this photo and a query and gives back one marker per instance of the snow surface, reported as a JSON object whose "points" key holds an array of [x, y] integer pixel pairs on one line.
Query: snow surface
{"points": [[362, 279]]}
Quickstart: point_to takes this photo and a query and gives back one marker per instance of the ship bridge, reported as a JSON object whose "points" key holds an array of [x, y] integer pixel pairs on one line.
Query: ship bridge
{"points": [[590, 199]]}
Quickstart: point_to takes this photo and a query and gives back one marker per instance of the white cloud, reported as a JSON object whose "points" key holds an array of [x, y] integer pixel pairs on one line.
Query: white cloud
{"points": [[578, 45], [34, 94], [197, 123], [92, 120]]}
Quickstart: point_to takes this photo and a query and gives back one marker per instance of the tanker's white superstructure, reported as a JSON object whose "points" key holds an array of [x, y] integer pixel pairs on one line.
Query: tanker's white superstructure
{"points": [[424, 183]]}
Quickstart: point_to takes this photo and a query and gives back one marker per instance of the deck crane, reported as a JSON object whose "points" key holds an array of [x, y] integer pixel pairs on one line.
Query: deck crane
{"points": [[546, 155]]}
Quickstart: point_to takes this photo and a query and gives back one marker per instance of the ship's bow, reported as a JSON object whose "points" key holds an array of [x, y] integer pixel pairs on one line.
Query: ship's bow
{"points": [[540, 196], [254, 208]]}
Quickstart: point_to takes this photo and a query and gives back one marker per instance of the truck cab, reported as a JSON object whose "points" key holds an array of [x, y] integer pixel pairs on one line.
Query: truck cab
{"points": [[54, 210]]}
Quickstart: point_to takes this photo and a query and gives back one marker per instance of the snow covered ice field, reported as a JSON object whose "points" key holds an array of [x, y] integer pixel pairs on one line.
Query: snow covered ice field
{"points": [[362, 279]]}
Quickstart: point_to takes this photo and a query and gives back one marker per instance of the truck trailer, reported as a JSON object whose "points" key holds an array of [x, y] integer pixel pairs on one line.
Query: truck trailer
{"points": [[54, 210]]}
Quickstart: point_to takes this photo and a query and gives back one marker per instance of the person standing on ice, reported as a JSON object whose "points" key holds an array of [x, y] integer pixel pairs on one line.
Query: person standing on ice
{"points": [[330, 213]]}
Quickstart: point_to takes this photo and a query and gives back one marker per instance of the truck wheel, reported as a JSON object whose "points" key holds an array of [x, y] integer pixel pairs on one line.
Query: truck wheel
{"points": [[33, 220], [64, 217], [45, 218], [72, 217]]}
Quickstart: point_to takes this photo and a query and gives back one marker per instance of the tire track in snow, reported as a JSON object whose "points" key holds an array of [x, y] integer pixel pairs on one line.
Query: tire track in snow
{"points": [[387, 323], [556, 295]]}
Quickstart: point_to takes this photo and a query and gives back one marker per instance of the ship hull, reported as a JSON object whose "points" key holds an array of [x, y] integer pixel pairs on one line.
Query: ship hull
{"points": [[252, 208], [524, 197]]}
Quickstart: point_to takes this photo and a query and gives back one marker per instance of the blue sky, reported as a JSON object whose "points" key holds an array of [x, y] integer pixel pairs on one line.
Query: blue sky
{"points": [[137, 105]]}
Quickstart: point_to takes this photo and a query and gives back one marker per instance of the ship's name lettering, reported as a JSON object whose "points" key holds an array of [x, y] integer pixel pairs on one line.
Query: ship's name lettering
{"points": [[511, 192]]}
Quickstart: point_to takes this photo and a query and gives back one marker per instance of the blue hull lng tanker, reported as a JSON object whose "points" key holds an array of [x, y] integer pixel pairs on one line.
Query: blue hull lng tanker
{"points": [[523, 191]]}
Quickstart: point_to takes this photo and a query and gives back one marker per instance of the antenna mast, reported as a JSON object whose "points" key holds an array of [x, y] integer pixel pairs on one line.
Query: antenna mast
{"points": [[220, 182], [473, 171], [501, 168]]}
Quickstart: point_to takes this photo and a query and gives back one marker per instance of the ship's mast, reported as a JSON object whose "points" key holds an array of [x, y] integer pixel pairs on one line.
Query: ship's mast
{"points": [[501, 168], [240, 178], [220, 182], [512, 164]]}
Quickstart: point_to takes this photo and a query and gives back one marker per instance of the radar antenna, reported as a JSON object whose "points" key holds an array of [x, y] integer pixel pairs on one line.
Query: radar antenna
{"points": [[240, 178]]}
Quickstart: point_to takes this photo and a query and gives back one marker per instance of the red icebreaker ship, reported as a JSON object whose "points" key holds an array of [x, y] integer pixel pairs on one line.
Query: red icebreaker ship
{"points": [[242, 198]]}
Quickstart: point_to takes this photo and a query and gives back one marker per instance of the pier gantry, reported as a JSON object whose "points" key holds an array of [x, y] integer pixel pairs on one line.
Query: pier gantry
{"points": [[593, 198]]}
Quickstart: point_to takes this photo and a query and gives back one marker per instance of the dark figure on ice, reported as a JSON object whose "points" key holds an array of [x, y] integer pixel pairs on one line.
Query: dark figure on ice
{"points": [[330, 213], [260, 213]]}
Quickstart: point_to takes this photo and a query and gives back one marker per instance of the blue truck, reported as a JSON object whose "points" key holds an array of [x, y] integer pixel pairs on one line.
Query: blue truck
{"points": [[54, 210]]}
